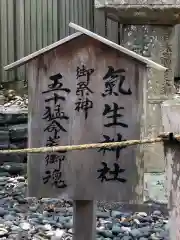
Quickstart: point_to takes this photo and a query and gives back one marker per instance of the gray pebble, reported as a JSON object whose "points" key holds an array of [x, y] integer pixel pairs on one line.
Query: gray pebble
{"points": [[136, 233], [28, 216], [157, 212], [126, 238], [3, 232], [116, 229], [3, 212], [9, 217], [116, 214], [25, 226], [103, 214], [142, 214]]}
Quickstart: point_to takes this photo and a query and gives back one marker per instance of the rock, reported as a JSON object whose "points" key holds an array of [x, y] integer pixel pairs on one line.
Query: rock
{"points": [[8, 224], [2, 119], [47, 227], [147, 219], [71, 231], [163, 235], [104, 232], [126, 229], [157, 213], [156, 230], [25, 226], [13, 115], [135, 233], [108, 225], [9, 217], [142, 214], [33, 208], [145, 231], [14, 168], [18, 132], [4, 136], [4, 174], [68, 225], [116, 229], [3, 232], [20, 200], [107, 234], [127, 214], [125, 224], [136, 221], [20, 179], [154, 237], [103, 214], [59, 233], [126, 238], [49, 233], [116, 214], [10, 157], [3, 212]]}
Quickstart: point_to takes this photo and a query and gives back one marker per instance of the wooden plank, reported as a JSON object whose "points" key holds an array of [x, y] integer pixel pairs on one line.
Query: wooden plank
{"points": [[55, 20], [118, 47], [62, 13], [27, 31], [72, 10], [79, 169], [91, 15], [39, 25], [10, 38], [3, 36], [20, 44], [76, 13], [41, 51], [80, 13], [68, 15], [84, 211], [170, 117], [50, 21], [45, 23], [27, 9], [86, 14], [33, 25]]}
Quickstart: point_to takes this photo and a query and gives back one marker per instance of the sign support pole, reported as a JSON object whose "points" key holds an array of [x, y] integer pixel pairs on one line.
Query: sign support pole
{"points": [[84, 219]]}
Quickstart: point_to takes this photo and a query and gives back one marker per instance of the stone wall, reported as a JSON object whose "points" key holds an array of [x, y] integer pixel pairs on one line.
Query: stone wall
{"points": [[13, 134]]}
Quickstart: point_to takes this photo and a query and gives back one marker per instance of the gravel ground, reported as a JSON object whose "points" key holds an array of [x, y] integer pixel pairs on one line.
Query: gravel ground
{"points": [[30, 218]]}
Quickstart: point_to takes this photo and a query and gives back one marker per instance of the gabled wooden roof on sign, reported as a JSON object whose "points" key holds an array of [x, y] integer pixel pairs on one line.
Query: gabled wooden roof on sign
{"points": [[82, 31]]}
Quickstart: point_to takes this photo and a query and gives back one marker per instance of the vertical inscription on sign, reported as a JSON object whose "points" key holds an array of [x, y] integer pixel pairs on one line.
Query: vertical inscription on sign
{"points": [[83, 91], [55, 119], [113, 81]]}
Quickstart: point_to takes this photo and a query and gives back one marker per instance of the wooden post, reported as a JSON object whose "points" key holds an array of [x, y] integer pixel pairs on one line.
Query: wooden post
{"points": [[171, 123], [84, 220]]}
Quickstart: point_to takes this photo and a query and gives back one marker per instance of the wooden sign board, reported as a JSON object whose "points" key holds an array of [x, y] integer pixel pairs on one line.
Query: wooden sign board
{"points": [[85, 92]]}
